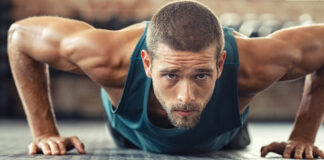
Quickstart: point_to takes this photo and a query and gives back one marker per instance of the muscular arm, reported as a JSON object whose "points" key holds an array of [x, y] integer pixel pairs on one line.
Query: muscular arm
{"points": [[295, 53], [36, 43], [309, 60], [33, 44]]}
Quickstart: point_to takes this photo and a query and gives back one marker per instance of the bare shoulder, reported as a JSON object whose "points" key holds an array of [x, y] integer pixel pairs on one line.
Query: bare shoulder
{"points": [[76, 46], [104, 55], [263, 61], [283, 55], [53, 22]]}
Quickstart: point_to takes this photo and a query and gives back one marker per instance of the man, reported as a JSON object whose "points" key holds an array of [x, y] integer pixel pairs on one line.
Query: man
{"points": [[169, 85]]}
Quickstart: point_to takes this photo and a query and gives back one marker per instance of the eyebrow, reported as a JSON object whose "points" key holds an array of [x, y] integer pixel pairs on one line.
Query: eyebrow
{"points": [[170, 71], [200, 70], [204, 70]]}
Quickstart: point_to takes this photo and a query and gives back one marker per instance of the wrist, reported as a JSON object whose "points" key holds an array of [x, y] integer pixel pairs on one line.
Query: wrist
{"points": [[42, 131], [45, 135], [302, 136]]}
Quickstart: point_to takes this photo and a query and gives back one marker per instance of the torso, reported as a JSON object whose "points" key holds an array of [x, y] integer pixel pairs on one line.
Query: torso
{"points": [[245, 79]]}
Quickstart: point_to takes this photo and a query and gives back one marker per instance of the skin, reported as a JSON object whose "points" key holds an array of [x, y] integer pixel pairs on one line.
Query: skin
{"points": [[103, 55], [191, 75]]}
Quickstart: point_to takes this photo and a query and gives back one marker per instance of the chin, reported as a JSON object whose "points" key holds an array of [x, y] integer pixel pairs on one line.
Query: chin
{"points": [[185, 126], [185, 122]]}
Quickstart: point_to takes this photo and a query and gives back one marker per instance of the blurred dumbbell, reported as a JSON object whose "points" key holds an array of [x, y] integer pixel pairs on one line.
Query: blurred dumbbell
{"points": [[231, 20], [250, 25], [305, 19], [268, 25], [288, 24]]}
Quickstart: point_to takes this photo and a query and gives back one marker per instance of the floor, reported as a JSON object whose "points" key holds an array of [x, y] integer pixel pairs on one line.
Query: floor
{"points": [[15, 136]]}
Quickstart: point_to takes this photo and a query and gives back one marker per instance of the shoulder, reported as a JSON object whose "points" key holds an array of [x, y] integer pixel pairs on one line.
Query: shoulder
{"points": [[263, 61], [103, 40], [103, 54]]}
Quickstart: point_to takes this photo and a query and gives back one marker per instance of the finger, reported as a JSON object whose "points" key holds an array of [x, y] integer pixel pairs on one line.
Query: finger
{"points": [[287, 152], [318, 152], [45, 148], [32, 148], [54, 148], [299, 150], [273, 147], [62, 147], [309, 152], [78, 145], [264, 151]]}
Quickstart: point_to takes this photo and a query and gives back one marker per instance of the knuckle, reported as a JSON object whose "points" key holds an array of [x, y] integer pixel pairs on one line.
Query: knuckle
{"points": [[288, 148], [283, 143], [30, 145], [59, 141], [299, 148], [263, 148], [273, 143], [62, 144], [49, 142], [41, 144]]}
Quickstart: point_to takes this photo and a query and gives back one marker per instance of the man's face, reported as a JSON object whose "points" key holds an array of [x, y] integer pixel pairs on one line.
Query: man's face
{"points": [[183, 82]]}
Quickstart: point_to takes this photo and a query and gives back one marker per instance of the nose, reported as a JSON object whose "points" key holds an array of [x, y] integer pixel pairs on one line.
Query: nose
{"points": [[185, 93]]}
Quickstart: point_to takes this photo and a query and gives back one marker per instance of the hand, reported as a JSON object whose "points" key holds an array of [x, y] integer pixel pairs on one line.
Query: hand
{"points": [[55, 145], [293, 149]]}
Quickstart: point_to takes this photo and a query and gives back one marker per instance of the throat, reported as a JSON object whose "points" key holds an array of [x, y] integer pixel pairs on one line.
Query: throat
{"points": [[157, 114]]}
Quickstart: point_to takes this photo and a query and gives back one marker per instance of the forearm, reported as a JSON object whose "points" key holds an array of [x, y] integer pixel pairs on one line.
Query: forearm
{"points": [[32, 82], [310, 114]]}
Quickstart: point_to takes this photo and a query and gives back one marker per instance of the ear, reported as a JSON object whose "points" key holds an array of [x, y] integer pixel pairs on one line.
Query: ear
{"points": [[146, 59], [220, 63]]}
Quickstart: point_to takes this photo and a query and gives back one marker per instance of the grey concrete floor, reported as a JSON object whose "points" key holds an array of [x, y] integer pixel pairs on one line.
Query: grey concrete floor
{"points": [[15, 137]]}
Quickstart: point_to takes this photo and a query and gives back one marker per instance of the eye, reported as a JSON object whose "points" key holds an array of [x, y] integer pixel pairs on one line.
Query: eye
{"points": [[201, 76], [171, 76]]}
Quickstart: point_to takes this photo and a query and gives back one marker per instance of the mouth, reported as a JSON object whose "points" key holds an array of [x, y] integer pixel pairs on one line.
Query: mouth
{"points": [[185, 113]]}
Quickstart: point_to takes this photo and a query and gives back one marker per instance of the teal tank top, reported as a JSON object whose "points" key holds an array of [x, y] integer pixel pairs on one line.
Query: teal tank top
{"points": [[219, 121]]}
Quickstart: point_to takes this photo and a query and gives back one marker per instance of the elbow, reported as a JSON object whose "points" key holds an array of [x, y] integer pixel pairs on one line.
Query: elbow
{"points": [[14, 37], [68, 47], [11, 31]]}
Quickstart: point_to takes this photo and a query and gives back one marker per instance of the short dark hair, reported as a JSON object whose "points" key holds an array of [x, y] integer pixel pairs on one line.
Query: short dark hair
{"points": [[185, 26]]}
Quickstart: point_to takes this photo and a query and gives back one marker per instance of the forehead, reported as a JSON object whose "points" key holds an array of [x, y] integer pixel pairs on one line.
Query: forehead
{"points": [[167, 56]]}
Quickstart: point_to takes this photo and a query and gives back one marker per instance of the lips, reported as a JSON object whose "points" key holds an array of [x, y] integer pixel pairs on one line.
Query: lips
{"points": [[185, 113]]}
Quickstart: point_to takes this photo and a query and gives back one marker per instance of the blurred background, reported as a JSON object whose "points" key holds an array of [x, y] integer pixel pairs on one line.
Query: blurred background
{"points": [[76, 97]]}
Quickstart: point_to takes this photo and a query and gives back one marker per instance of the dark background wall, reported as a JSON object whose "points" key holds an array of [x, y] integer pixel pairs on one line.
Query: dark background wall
{"points": [[76, 96]]}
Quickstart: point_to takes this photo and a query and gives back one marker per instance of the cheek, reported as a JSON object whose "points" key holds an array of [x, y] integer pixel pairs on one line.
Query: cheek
{"points": [[164, 93], [160, 87], [204, 91]]}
